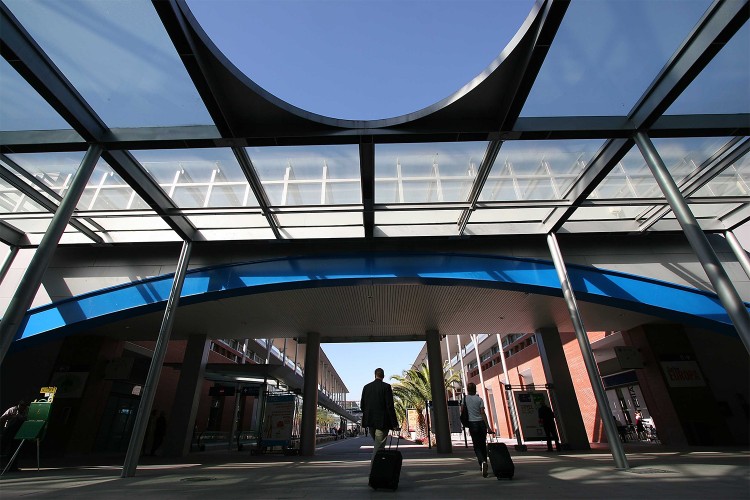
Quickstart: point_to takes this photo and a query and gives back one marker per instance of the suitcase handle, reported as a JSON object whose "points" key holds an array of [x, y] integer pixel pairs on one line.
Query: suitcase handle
{"points": [[391, 434]]}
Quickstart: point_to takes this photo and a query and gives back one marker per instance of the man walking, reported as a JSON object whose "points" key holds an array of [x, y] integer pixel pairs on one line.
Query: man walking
{"points": [[547, 419], [378, 410]]}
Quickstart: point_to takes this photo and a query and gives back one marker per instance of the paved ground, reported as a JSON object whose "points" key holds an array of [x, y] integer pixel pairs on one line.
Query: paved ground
{"points": [[339, 470]]}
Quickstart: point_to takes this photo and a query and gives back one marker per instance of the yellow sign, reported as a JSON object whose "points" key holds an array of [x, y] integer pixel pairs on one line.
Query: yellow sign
{"points": [[49, 393]]}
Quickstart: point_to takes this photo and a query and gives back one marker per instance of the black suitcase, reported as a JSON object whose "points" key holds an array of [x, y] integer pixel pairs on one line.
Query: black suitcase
{"points": [[500, 461], [386, 468]]}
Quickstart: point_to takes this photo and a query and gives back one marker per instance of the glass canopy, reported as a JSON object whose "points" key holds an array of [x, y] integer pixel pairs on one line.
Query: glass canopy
{"points": [[541, 141]]}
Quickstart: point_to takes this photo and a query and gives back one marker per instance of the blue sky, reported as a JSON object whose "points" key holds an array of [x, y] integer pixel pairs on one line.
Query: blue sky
{"points": [[356, 363]]}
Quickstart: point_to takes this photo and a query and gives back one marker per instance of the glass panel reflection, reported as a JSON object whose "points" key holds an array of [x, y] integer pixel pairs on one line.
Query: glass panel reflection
{"points": [[119, 57], [606, 53], [199, 178], [426, 173], [724, 85], [537, 170], [22, 107], [683, 157], [14, 201], [732, 181], [308, 175], [105, 189]]}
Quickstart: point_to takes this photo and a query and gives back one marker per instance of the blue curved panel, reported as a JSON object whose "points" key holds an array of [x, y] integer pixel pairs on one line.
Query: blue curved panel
{"points": [[615, 289]]}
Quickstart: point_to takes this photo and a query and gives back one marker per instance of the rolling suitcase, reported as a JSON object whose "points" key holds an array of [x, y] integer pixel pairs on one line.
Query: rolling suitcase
{"points": [[500, 461], [386, 467]]}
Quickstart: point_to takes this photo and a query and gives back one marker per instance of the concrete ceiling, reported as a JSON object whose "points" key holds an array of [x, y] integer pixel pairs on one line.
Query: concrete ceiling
{"points": [[362, 313]]}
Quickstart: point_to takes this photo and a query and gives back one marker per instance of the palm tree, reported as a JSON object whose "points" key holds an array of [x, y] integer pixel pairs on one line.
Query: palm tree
{"points": [[412, 390]]}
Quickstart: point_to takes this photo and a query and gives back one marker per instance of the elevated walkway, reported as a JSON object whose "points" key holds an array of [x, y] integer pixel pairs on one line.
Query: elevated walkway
{"points": [[340, 469]]}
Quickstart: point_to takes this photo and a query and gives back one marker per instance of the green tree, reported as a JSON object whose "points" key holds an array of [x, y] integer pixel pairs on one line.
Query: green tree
{"points": [[412, 389]]}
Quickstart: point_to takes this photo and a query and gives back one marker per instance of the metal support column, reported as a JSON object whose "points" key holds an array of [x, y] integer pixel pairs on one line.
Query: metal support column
{"points": [[618, 453], [450, 366], [310, 395], [437, 388], [509, 396], [481, 376], [8, 261], [728, 295], [154, 370], [463, 370], [32, 278], [739, 252]]}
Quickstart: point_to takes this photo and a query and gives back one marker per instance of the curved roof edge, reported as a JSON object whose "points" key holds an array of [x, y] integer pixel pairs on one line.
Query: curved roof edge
{"points": [[630, 292], [246, 109]]}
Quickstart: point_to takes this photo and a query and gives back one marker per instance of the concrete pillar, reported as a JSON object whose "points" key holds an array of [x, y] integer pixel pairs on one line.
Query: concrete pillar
{"points": [[562, 393], [187, 396], [310, 395], [437, 388]]}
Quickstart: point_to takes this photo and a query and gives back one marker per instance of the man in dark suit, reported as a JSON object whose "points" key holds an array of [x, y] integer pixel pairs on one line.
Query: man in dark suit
{"points": [[378, 411]]}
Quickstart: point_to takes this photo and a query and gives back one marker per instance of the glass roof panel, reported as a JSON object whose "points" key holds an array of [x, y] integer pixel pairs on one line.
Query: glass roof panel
{"points": [[105, 189], [13, 201], [118, 56], [320, 232], [313, 219], [198, 178], [537, 170], [732, 181], [710, 210], [607, 53], [21, 107], [724, 85], [309, 175], [409, 217], [145, 220], [485, 215], [224, 221], [609, 213], [426, 173], [631, 178]]}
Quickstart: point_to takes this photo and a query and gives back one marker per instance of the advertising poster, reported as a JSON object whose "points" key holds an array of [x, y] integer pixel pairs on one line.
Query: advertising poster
{"points": [[412, 418], [279, 420], [527, 406]]}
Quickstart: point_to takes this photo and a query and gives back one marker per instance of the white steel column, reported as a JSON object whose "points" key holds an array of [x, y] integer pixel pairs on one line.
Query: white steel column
{"points": [[450, 366], [479, 365], [463, 370], [509, 395]]}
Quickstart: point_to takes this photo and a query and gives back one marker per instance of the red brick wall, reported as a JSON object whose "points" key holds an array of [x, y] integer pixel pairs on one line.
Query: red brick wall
{"points": [[528, 360]]}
